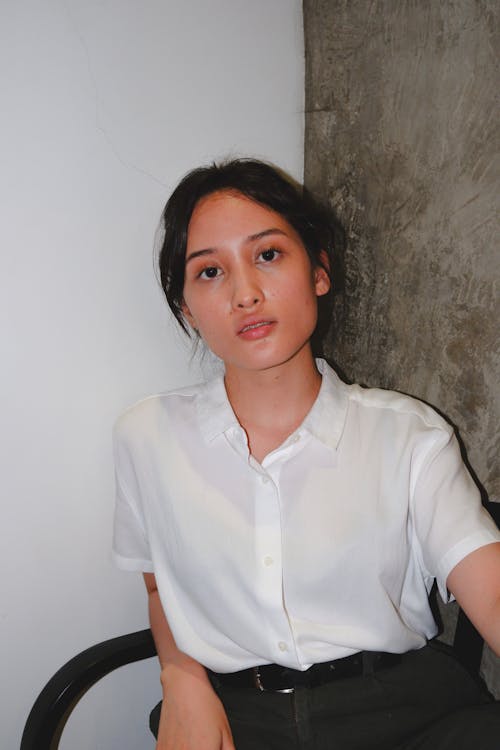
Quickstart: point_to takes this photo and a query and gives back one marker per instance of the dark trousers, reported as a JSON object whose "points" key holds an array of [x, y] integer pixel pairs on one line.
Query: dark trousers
{"points": [[427, 702]]}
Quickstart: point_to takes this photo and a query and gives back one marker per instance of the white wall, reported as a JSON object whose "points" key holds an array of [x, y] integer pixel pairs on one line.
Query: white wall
{"points": [[104, 106]]}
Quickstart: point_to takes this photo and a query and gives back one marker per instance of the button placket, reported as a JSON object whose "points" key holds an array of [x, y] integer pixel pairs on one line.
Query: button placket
{"points": [[268, 549]]}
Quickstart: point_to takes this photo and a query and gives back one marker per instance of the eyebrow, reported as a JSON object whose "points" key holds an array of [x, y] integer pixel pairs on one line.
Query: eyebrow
{"points": [[250, 238]]}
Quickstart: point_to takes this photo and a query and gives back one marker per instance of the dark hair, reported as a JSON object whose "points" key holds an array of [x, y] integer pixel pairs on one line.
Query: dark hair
{"points": [[256, 180]]}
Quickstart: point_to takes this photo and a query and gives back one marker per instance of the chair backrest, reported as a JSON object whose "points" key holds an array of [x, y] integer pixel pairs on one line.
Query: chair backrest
{"points": [[60, 695]]}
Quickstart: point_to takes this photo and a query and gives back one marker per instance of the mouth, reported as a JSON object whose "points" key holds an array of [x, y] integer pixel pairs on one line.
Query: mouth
{"points": [[253, 326], [256, 329]]}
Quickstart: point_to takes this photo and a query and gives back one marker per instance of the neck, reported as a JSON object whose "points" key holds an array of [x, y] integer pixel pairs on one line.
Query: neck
{"points": [[277, 399]]}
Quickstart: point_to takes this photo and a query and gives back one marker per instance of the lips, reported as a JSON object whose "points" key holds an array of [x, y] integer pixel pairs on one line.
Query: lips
{"points": [[256, 328], [251, 326]]}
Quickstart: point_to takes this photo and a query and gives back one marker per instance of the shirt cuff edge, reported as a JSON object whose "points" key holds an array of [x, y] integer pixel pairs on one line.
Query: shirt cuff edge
{"points": [[456, 554], [133, 564]]}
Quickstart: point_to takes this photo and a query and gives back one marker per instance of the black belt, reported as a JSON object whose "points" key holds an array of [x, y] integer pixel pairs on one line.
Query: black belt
{"points": [[277, 678]]}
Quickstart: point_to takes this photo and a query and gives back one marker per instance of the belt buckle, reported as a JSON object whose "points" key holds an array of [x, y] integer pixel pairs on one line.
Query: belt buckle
{"points": [[258, 684]]}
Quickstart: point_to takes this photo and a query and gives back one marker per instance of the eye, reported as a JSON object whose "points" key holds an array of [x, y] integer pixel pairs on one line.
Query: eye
{"points": [[210, 272], [269, 255]]}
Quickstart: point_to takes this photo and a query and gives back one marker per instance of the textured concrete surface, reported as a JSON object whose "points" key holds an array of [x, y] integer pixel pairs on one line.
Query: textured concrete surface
{"points": [[402, 140]]}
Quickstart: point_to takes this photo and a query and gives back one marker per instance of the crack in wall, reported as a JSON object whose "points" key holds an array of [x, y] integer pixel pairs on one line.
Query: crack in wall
{"points": [[98, 104]]}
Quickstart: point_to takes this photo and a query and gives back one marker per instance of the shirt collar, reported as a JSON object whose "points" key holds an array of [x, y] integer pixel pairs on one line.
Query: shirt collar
{"points": [[214, 410], [327, 416], [325, 421]]}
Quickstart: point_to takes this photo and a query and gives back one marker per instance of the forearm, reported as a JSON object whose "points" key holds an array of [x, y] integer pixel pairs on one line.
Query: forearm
{"points": [[168, 653], [192, 715]]}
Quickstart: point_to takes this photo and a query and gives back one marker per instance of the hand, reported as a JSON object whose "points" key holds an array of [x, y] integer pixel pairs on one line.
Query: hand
{"points": [[192, 716]]}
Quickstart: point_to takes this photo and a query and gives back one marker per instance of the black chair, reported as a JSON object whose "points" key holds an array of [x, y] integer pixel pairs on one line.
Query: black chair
{"points": [[60, 695]]}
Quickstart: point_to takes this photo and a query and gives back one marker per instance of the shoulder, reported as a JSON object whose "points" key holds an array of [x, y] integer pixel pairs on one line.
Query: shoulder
{"points": [[386, 404], [380, 404], [401, 430], [149, 413]]}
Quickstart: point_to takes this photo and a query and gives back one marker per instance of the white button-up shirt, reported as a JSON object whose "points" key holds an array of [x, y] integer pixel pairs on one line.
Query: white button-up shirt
{"points": [[328, 547]]}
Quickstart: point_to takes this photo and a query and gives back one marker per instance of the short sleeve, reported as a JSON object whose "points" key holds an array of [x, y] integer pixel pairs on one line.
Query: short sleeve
{"points": [[130, 549], [448, 516]]}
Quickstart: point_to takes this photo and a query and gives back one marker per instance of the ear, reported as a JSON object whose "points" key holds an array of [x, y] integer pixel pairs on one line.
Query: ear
{"points": [[321, 277], [187, 314]]}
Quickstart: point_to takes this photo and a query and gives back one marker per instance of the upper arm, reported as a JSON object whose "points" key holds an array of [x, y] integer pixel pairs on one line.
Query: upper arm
{"points": [[150, 581], [475, 583]]}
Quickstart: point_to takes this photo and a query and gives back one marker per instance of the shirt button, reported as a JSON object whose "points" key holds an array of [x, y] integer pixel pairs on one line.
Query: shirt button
{"points": [[296, 438], [268, 560], [282, 646], [265, 480]]}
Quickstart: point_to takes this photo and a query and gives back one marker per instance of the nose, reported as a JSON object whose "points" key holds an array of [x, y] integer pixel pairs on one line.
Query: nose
{"points": [[247, 292]]}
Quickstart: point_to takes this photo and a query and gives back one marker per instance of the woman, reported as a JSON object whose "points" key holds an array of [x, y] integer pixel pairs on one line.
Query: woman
{"points": [[289, 526]]}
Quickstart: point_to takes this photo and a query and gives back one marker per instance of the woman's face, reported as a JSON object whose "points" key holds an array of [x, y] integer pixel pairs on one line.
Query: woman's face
{"points": [[249, 287]]}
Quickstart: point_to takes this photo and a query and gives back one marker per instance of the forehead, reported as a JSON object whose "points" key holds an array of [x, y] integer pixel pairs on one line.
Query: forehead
{"points": [[227, 215]]}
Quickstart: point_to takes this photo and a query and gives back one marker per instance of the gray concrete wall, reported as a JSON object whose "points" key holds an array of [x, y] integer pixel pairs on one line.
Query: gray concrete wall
{"points": [[402, 139]]}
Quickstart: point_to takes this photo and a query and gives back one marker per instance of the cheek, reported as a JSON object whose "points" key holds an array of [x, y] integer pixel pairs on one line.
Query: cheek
{"points": [[300, 294], [210, 320], [197, 306], [306, 302]]}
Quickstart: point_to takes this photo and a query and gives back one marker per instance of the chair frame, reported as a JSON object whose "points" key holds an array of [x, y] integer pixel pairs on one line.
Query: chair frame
{"points": [[52, 708]]}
